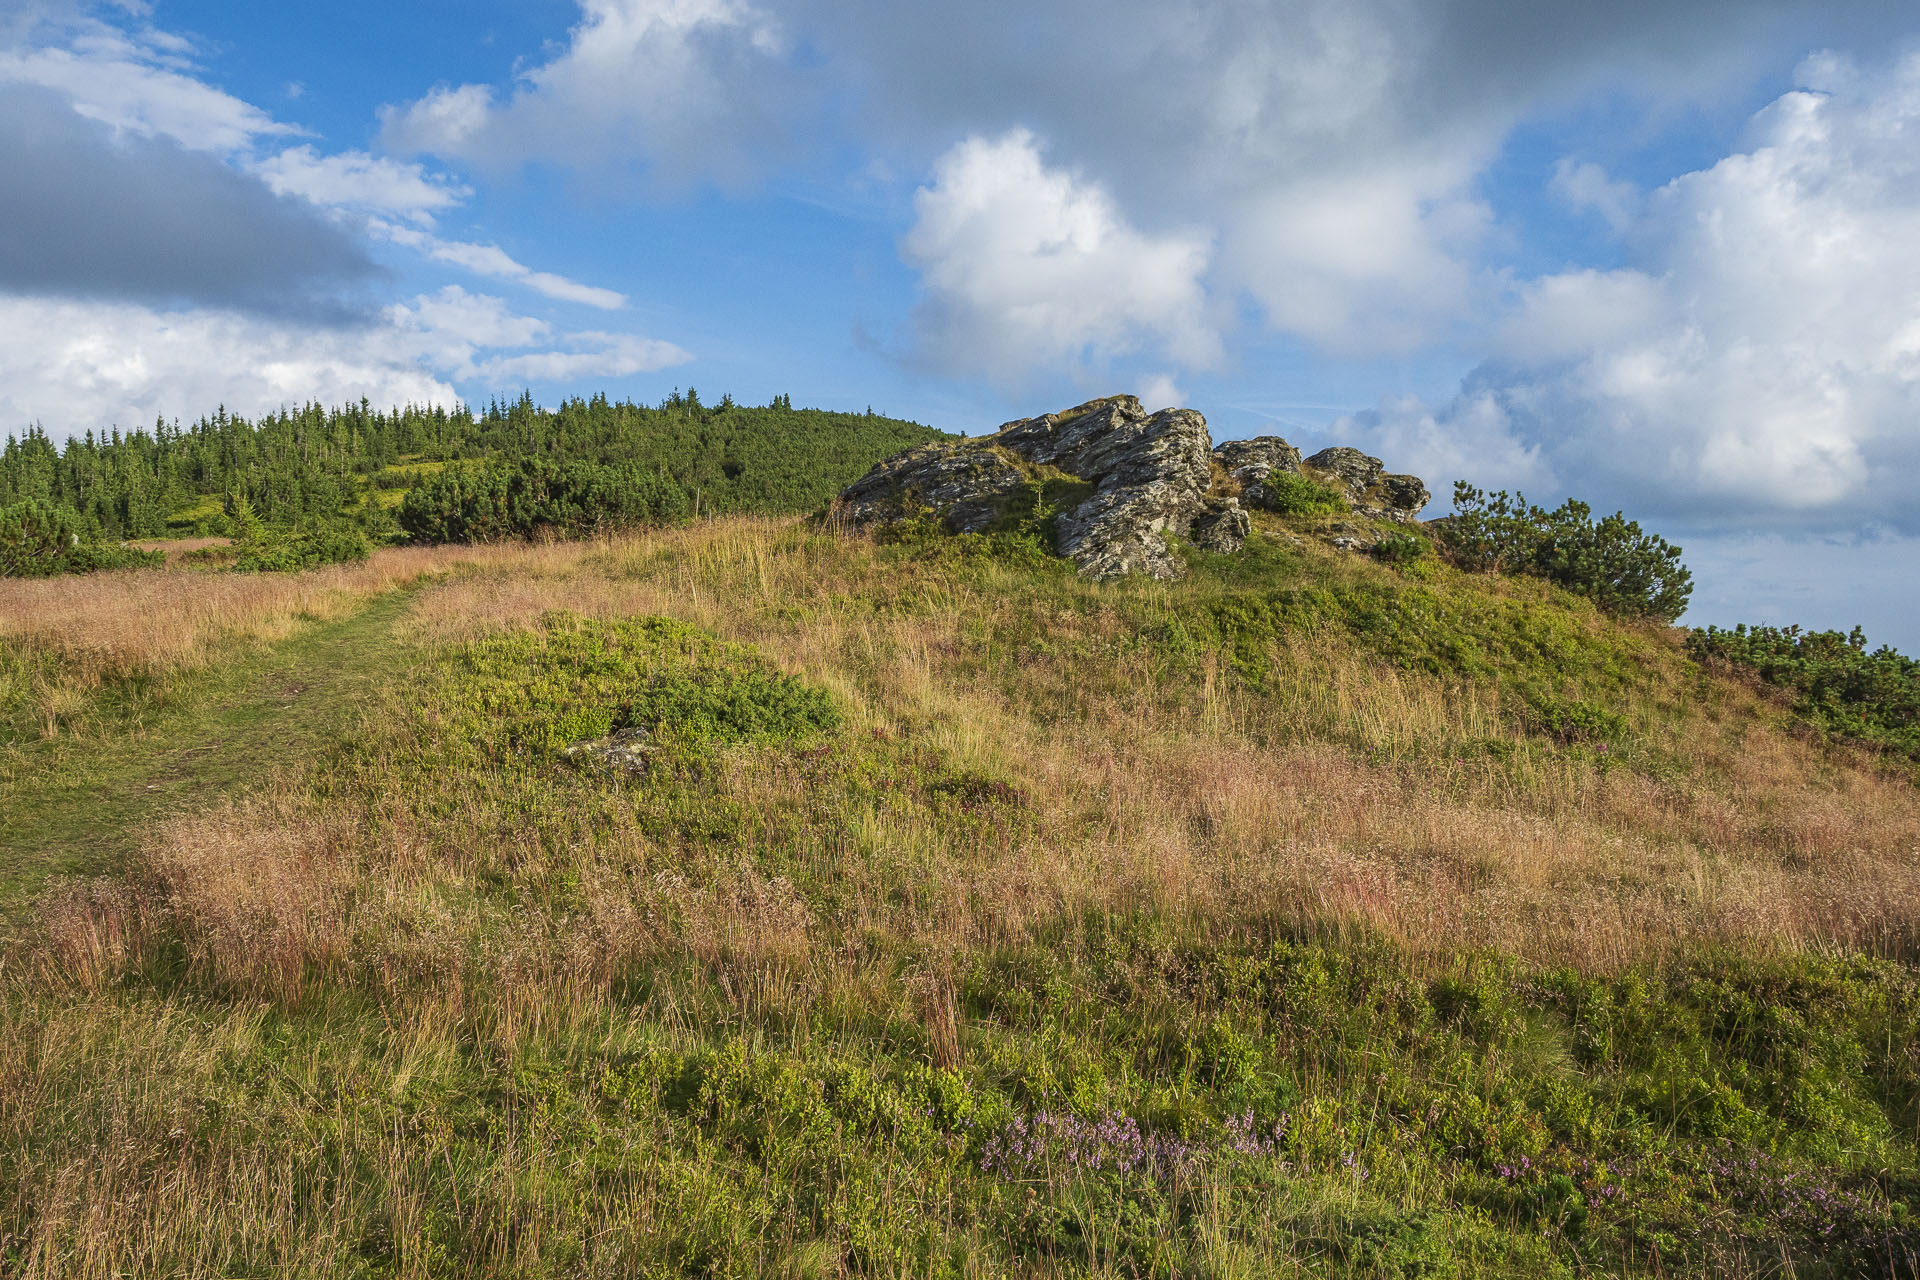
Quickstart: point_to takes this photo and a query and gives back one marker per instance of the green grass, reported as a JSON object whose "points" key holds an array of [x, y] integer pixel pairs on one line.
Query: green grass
{"points": [[78, 804], [891, 965]]}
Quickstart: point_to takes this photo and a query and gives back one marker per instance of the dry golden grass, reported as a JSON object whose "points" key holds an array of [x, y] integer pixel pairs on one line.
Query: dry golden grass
{"points": [[145, 620], [62, 639], [1329, 800]]}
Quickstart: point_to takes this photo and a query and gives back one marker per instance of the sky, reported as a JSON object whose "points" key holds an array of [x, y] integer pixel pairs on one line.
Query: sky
{"points": [[1659, 255]]}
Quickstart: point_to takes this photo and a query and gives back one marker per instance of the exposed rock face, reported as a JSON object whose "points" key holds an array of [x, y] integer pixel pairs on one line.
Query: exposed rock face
{"points": [[1150, 473], [1224, 526], [970, 486], [1152, 476], [1372, 491], [1250, 462]]}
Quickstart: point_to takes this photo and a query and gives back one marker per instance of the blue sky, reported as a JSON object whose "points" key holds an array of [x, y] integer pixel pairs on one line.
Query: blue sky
{"points": [[1661, 256]]}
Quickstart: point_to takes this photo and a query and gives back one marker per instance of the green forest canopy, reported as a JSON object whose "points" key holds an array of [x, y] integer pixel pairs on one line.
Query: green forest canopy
{"points": [[315, 464]]}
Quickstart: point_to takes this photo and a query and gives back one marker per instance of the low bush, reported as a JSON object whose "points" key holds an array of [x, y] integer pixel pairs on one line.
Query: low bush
{"points": [[1627, 572], [1842, 686], [498, 500], [576, 678], [40, 540], [1402, 548], [285, 553], [1289, 494]]}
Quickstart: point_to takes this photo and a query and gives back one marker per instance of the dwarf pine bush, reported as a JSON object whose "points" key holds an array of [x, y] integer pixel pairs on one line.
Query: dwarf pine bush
{"points": [[498, 500], [1613, 562], [1842, 686], [40, 540]]}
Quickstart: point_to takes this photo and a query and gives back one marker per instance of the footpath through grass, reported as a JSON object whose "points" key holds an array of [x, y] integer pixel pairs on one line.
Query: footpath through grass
{"points": [[76, 804]]}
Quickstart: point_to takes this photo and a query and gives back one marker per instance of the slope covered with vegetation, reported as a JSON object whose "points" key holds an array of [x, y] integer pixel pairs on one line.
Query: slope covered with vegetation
{"points": [[1311, 915]]}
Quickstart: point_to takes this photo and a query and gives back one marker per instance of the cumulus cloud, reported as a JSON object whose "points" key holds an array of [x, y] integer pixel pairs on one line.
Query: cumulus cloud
{"points": [[136, 178], [595, 355], [72, 365], [1328, 149], [1158, 391], [1471, 439], [688, 89], [1760, 357], [1025, 265], [1585, 187]]}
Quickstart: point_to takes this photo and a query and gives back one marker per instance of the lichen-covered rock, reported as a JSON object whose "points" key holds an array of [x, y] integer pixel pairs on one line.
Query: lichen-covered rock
{"points": [[623, 751], [1248, 463], [1368, 487], [1350, 467], [1249, 460], [1406, 493], [1223, 527], [1150, 473], [968, 485]]}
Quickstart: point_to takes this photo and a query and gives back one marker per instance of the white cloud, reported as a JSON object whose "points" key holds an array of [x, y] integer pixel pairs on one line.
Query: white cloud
{"points": [[688, 85], [492, 260], [1759, 361], [145, 84], [359, 181], [1329, 150], [600, 355], [74, 365], [141, 85], [1472, 439], [1025, 266], [1158, 391], [1372, 262]]}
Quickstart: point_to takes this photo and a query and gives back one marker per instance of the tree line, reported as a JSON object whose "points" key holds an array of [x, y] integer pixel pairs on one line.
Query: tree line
{"points": [[318, 464]]}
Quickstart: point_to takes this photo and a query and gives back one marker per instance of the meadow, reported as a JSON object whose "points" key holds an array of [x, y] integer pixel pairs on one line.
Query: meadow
{"points": [[1306, 916]]}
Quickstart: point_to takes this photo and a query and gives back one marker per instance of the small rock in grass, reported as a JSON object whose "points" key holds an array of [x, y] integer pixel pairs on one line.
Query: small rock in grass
{"points": [[622, 751]]}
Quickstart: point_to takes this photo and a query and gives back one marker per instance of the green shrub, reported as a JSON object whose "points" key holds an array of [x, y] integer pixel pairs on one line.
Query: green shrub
{"points": [[1613, 563], [497, 500], [580, 678], [1402, 548], [1842, 687], [40, 540], [287, 553], [1288, 493]]}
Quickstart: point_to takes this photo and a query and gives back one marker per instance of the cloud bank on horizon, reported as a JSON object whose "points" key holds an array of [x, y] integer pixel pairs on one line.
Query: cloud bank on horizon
{"points": [[1698, 297]]}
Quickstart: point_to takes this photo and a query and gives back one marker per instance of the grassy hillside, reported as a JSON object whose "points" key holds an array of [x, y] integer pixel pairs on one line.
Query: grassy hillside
{"points": [[1307, 916]]}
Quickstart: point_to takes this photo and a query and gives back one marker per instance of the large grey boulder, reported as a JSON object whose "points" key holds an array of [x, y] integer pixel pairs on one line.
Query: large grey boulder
{"points": [[1249, 462], [968, 486], [1369, 487], [1150, 473]]}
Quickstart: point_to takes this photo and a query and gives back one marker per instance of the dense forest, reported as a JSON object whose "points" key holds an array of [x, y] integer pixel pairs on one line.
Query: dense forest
{"points": [[317, 465]]}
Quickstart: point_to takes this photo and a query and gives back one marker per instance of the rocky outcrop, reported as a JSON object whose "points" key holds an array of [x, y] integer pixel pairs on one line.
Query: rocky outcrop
{"points": [[1149, 471], [1371, 490], [969, 486], [1152, 476], [1248, 463], [1225, 526]]}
